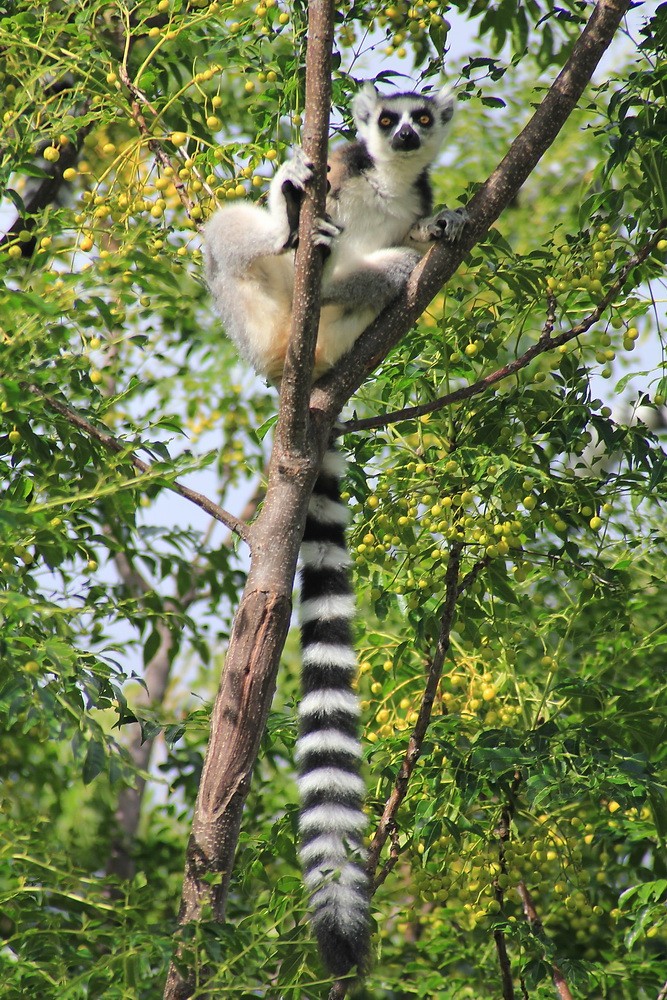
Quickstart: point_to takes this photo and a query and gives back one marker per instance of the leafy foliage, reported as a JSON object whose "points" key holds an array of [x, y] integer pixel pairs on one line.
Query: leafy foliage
{"points": [[542, 780]]}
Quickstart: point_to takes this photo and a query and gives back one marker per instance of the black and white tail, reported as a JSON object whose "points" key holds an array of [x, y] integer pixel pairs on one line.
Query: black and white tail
{"points": [[332, 821]]}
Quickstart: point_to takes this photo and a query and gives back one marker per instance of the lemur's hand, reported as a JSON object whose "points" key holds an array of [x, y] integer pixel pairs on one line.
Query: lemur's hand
{"points": [[446, 225], [296, 172], [293, 177], [291, 180], [324, 234]]}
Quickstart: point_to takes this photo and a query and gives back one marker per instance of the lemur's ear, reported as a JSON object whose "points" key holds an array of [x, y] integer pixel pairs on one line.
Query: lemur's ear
{"points": [[445, 102], [363, 103]]}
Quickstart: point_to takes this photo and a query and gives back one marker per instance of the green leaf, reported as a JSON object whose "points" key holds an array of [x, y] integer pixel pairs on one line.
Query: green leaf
{"points": [[94, 762]]}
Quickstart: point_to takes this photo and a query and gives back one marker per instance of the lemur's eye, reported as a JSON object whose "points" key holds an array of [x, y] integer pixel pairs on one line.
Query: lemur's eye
{"points": [[386, 121], [425, 120]]}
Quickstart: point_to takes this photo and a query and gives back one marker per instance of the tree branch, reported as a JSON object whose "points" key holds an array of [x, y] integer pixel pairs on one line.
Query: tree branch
{"points": [[535, 924], [112, 444], [293, 429], [547, 342], [153, 144], [440, 263], [503, 832]]}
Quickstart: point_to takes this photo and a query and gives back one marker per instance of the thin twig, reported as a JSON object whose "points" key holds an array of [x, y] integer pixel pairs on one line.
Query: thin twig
{"points": [[503, 833], [535, 923], [387, 825], [394, 851], [470, 577], [530, 912], [153, 144], [112, 444], [547, 342]]}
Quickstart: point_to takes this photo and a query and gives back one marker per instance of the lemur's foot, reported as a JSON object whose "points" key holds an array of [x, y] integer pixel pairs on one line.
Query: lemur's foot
{"points": [[447, 225], [325, 233]]}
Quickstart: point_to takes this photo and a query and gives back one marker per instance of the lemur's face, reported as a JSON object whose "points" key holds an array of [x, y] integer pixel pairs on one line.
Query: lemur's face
{"points": [[407, 128], [403, 124]]}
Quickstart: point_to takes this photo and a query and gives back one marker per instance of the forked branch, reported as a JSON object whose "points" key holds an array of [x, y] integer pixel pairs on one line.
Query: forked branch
{"points": [[547, 342]]}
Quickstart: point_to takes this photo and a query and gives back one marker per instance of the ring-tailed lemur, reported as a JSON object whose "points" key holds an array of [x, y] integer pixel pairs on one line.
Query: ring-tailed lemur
{"points": [[377, 228]]}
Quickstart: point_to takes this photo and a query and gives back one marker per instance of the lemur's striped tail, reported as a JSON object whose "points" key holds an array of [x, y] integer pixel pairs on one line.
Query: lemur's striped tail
{"points": [[332, 822]]}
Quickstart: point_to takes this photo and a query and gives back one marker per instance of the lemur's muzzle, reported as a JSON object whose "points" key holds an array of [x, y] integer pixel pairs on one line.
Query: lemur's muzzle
{"points": [[405, 139]]}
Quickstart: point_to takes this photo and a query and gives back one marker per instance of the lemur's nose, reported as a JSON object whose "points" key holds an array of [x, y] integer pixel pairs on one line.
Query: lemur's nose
{"points": [[405, 138]]}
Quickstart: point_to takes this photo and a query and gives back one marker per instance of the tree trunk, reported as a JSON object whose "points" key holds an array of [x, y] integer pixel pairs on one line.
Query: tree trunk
{"points": [[262, 620]]}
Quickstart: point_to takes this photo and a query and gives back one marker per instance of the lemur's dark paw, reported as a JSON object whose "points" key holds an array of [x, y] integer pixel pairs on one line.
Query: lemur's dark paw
{"points": [[325, 232], [292, 178], [448, 224]]}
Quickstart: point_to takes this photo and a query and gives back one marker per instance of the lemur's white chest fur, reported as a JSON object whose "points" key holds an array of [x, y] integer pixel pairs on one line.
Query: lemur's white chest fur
{"points": [[373, 214]]}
